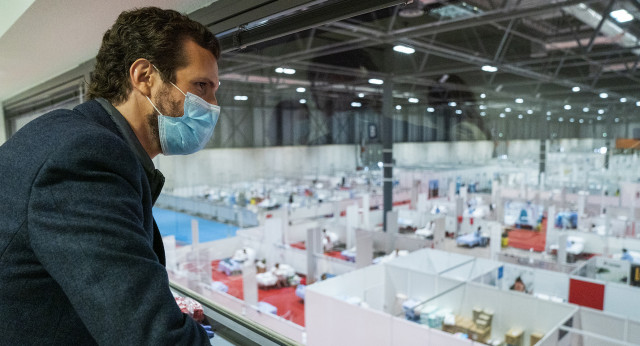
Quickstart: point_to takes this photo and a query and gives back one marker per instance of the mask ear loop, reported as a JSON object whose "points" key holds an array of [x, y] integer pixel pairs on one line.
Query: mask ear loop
{"points": [[154, 106], [185, 95]]}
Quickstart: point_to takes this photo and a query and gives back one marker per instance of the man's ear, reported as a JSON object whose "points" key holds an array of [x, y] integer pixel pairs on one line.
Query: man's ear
{"points": [[142, 75]]}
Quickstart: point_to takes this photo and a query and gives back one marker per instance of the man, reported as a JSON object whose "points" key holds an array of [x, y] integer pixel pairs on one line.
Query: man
{"points": [[81, 258], [626, 256]]}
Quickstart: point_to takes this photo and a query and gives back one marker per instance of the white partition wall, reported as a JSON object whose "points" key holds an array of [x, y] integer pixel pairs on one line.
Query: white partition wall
{"points": [[509, 309], [551, 284], [472, 270], [414, 285], [431, 261], [342, 323], [600, 323], [622, 300], [327, 309]]}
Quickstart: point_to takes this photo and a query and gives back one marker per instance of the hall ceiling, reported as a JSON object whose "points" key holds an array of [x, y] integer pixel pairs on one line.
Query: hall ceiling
{"points": [[542, 51]]}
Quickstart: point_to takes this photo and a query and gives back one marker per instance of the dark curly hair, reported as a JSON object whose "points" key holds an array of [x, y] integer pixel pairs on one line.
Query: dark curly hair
{"points": [[150, 33]]}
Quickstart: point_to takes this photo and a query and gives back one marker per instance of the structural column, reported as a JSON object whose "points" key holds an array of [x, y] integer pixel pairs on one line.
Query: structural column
{"points": [[387, 134]]}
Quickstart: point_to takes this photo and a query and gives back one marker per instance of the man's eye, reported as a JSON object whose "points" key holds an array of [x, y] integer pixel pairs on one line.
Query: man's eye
{"points": [[201, 85]]}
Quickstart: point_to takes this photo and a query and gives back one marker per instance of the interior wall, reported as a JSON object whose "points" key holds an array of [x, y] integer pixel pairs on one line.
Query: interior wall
{"points": [[419, 154], [523, 149], [224, 166]]}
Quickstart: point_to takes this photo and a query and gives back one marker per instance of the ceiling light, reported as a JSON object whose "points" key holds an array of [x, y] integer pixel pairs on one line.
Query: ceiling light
{"points": [[289, 71], [483, 106], [581, 121], [598, 118], [483, 95], [303, 101], [507, 109], [398, 107], [376, 81], [240, 98], [430, 110], [623, 99], [452, 104], [548, 118], [571, 120], [519, 100], [502, 115], [529, 111], [585, 109], [575, 89], [500, 135], [604, 95], [548, 112], [489, 68], [404, 49], [279, 70], [600, 111], [356, 104], [560, 119], [301, 90], [483, 114], [413, 100], [637, 103], [622, 16], [617, 119], [567, 107], [412, 10], [604, 135], [520, 116], [361, 95], [458, 111]]}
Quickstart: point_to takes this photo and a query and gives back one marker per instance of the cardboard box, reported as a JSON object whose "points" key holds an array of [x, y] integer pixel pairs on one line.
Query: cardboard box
{"points": [[479, 334], [476, 313], [535, 337], [514, 337]]}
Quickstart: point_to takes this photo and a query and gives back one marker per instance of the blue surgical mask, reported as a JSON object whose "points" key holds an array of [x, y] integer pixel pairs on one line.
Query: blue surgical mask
{"points": [[190, 132]]}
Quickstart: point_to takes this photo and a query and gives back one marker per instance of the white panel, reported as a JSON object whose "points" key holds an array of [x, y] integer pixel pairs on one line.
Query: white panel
{"points": [[622, 300], [222, 248], [633, 332], [551, 283], [346, 324], [407, 333], [396, 282], [445, 260], [439, 338], [452, 300], [318, 313], [421, 286], [600, 323], [374, 296], [462, 272]]}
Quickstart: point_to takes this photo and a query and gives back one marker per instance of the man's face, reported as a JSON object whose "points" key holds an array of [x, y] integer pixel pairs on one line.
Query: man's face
{"points": [[199, 77]]}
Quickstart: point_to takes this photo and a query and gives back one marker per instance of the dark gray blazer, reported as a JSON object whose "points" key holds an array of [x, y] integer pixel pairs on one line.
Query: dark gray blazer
{"points": [[77, 259]]}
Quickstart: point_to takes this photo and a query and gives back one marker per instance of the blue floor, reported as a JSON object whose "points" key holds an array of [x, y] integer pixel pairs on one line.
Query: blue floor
{"points": [[179, 224]]}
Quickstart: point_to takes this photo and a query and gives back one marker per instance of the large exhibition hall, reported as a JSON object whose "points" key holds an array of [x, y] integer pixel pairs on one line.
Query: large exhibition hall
{"points": [[383, 172]]}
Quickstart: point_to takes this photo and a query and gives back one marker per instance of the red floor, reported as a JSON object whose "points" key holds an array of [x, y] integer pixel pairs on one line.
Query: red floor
{"points": [[335, 254], [290, 306], [527, 239]]}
